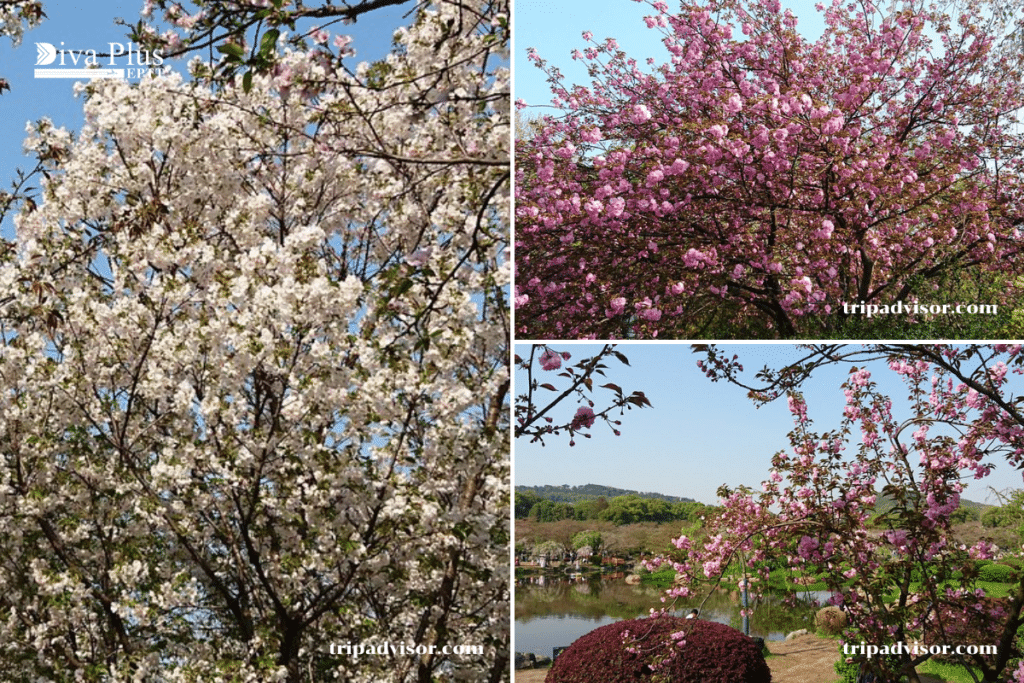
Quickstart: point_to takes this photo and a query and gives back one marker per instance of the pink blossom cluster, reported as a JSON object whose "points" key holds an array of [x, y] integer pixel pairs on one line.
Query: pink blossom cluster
{"points": [[552, 360], [584, 418]]}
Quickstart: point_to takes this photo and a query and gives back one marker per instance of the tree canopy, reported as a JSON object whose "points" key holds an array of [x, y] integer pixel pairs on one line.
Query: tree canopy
{"points": [[761, 184], [254, 370]]}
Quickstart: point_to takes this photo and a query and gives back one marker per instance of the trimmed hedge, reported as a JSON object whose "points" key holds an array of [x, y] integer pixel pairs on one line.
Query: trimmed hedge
{"points": [[713, 653], [998, 573]]}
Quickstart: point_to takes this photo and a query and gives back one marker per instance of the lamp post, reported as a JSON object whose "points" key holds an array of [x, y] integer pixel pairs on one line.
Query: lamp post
{"points": [[746, 612]]}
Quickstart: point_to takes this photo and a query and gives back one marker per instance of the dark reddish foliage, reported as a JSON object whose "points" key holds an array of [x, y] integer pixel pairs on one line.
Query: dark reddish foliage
{"points": [[713, 653]]}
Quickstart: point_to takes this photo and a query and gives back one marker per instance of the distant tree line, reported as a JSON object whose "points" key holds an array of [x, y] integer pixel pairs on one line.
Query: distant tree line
{"points": [[576, 494], [967, 511], [628, 509], [1009, 515]]}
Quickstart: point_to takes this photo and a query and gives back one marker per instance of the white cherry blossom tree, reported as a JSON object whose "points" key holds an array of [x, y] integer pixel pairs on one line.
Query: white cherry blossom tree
{"points": [[254, 373]]}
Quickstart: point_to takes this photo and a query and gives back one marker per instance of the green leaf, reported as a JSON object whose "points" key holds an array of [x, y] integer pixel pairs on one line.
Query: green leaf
{"points": [[403, 287], [269, 41], [247, 81], [233, 51]]}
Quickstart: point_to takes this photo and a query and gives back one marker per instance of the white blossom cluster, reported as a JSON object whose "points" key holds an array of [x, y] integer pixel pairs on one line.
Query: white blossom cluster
{"points": [[17, 15], [253, 374]]}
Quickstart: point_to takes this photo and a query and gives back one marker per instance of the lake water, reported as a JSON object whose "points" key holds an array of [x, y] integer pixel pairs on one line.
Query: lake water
{"points": [[555, 612]]}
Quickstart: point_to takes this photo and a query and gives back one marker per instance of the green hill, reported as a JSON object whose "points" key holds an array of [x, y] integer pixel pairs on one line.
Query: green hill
{"points": [[578, 494]]}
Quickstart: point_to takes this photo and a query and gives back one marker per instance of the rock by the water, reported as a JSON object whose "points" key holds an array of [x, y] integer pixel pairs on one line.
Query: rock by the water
{"points": [[525, 660], [528, 660], [797, 634]]}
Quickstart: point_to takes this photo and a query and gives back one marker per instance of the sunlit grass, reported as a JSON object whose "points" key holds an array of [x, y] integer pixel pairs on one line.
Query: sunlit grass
{"points": [[950, 673]]}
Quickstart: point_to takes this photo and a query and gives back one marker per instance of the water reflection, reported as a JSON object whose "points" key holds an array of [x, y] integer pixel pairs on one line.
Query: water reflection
{"points": [[555, 611]]}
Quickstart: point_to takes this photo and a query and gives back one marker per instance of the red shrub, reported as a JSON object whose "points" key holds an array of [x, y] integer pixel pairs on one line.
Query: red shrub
{"points": [[712, 653]]}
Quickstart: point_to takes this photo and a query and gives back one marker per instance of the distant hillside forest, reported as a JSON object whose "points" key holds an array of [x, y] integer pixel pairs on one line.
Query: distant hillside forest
{"points": [[605, 503], [576, 494], [621, 506]]}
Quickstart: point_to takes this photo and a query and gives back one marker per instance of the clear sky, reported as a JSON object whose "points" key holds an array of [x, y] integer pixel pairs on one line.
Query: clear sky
{"points": [[554, 28], [90, 24], [700, 434]]}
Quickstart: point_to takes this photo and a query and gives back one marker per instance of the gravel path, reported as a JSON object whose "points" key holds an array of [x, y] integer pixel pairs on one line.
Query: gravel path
{"points": [[805, 659]]}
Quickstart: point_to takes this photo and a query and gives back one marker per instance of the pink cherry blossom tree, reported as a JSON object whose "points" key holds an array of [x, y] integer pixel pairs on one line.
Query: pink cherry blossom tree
{"points": [[254, 367], [549, 370], [757, 183], [903, 576]]}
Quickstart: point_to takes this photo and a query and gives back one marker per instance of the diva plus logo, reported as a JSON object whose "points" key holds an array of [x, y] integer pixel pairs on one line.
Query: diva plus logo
{"points": [[119, 61]]}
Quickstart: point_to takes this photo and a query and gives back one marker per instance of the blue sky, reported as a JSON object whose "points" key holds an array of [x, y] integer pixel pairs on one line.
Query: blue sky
{"points": [[700, 434], [90, 25], [555, 27]]}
